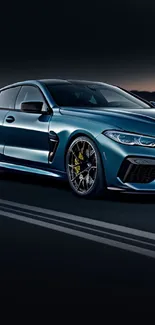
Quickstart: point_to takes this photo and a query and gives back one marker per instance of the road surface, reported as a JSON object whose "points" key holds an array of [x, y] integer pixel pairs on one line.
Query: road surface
{"points": [[53, 242]]}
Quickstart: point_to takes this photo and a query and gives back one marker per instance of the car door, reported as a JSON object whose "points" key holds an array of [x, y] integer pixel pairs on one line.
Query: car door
{"points": [[26, 133]]}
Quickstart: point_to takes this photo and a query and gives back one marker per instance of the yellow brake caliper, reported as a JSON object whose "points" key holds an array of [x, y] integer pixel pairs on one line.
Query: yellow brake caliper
{"points": [[76, 161]]}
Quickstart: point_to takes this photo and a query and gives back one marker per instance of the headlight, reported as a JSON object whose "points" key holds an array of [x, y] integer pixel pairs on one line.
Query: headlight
{"points": [[130, 139]]}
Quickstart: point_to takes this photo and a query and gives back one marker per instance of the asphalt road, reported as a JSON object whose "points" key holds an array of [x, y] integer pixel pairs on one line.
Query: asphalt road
{"points": [[47, 249]]}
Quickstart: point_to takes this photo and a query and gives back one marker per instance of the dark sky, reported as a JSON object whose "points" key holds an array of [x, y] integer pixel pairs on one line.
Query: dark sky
{"points": [[111, 41]]}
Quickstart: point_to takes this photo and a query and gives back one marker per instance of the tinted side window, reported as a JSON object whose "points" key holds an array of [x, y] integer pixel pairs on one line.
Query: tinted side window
{"points": [[28, 94], [8, 97]]}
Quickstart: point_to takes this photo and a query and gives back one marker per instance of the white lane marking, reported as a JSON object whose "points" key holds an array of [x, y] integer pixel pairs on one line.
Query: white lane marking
{"points": [[14, 210], [93, 222], [77, 233]]}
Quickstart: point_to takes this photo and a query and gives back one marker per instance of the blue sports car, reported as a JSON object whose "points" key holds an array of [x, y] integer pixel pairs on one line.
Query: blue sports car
{"points": [[94, 135]]}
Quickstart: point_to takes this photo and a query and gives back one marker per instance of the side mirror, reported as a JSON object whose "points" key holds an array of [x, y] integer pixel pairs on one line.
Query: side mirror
{"points": [[31, 107]]}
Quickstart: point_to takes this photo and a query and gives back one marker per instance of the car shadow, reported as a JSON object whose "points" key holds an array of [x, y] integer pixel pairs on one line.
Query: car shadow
{"points": [[48, 182], [130, 198], [33, 179]]}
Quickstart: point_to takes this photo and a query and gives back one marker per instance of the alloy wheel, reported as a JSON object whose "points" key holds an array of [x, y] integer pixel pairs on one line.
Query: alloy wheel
{"points": [[82, 165]]}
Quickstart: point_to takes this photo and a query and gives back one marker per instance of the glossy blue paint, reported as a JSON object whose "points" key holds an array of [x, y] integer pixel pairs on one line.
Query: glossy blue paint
{"points": [[113, 154], [25, 144], [27, 137]]}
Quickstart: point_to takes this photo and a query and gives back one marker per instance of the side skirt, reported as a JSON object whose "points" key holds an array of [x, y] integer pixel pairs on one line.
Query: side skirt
{"points": [[20, 168]]}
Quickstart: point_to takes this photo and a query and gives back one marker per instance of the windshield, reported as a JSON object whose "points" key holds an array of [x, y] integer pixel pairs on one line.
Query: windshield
{"points": [[91, 96]]}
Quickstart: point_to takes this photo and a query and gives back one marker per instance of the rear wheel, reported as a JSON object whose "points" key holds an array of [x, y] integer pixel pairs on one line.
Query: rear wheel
{"points": [[84, 168]]}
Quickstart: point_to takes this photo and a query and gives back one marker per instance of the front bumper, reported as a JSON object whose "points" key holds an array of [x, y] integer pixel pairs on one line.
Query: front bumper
{"points": [[127, 168]]}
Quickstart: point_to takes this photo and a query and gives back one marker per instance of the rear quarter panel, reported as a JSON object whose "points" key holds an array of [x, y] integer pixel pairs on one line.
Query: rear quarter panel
{"points": [[3, 114]]}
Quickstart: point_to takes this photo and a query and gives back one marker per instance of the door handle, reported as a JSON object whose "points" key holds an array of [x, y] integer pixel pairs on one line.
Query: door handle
{"points": [[10, 119]]}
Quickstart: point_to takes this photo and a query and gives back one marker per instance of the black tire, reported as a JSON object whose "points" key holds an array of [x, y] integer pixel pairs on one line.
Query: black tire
{"points": [[99, 184]]}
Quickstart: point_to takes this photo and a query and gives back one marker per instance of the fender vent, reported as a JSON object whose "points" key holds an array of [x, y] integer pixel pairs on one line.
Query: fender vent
{"points": [[53, 143]]}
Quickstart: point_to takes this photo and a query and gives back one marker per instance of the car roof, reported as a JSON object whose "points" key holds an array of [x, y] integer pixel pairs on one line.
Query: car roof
{"points": [[72, 81], [40, 82]]}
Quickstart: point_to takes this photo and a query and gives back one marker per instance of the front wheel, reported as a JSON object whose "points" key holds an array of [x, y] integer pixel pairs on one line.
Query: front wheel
{"points": [[84, 168]]}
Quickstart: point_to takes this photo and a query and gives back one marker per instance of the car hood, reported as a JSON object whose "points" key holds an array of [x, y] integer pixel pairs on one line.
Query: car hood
{"points": [[132, 120]]}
